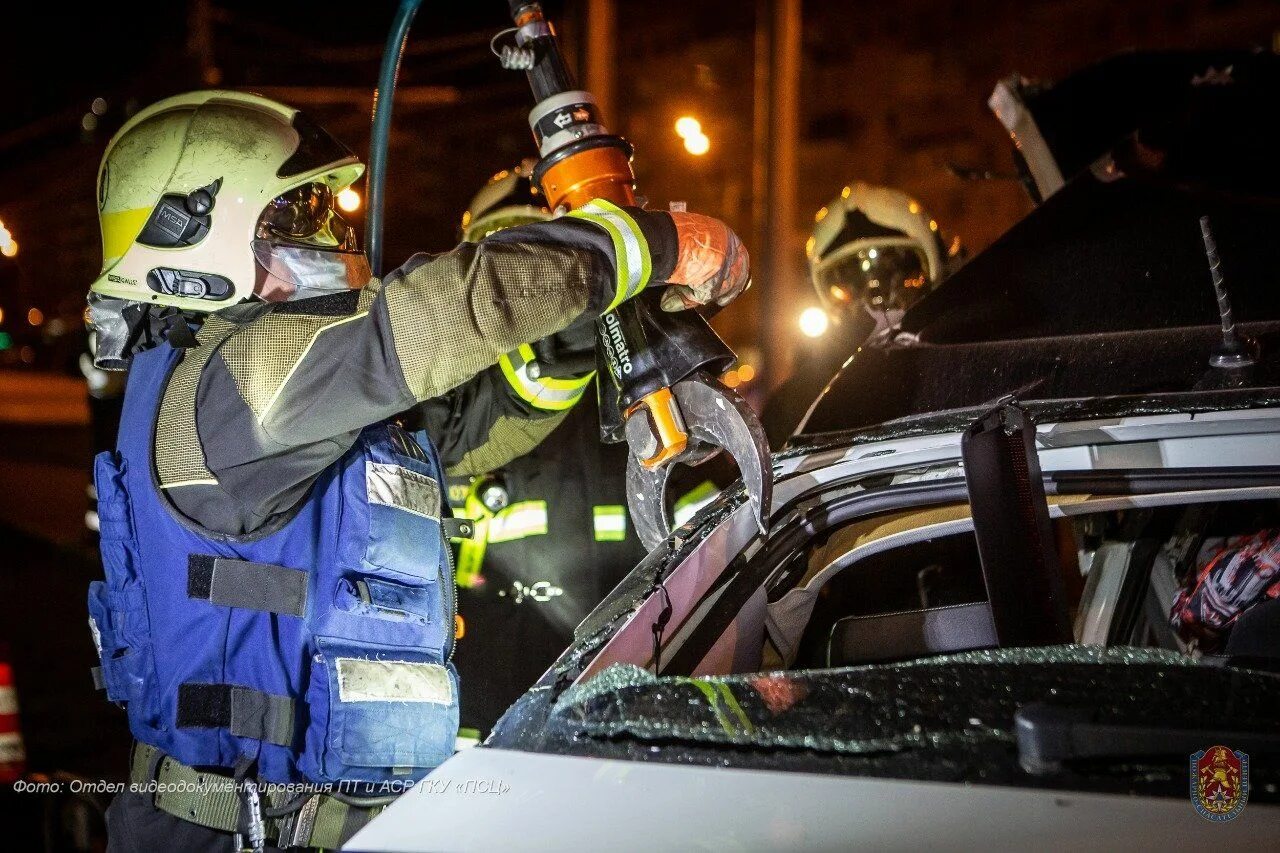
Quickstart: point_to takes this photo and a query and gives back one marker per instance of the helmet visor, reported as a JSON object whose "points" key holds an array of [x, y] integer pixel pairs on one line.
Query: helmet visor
{"points": [[306, 246], [880, 279], [306, 214], [300, 272]]}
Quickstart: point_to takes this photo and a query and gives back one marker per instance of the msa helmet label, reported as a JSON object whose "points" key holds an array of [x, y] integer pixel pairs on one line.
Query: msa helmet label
{"points": [[119, 279]]}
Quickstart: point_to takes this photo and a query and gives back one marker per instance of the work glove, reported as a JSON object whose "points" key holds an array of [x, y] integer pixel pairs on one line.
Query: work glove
{"points": [[712, 266]]}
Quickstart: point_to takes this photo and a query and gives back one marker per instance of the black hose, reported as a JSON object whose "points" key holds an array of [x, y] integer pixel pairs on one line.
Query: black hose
{"points": [[379, 138]]}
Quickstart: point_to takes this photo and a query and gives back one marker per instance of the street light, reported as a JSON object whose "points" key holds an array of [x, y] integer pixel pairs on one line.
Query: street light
{"points": [[8, 245], [689, 129], [697, 145], [814, 322], [687, 126]]}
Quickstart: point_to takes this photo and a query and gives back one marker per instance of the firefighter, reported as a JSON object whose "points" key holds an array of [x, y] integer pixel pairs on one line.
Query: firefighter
{"points": [[874, 252], [552, 535], [278, 605]]}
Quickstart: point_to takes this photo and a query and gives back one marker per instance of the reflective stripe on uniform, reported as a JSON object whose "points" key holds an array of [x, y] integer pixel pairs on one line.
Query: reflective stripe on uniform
{"points": [[693, 500], [545, 393], [471, 551], [610, 522], [526, 518], [630, 249]]}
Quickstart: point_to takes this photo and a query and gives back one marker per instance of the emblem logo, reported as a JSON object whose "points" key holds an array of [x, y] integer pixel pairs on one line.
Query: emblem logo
{"points": [[1219, 783]]}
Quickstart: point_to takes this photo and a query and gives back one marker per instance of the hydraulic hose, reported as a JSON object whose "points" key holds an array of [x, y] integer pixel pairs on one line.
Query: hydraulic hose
{"points": [[379, 138]]}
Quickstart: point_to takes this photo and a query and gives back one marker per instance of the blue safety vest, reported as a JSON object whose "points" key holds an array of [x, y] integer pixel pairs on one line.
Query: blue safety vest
{"points": [[319, 648]]}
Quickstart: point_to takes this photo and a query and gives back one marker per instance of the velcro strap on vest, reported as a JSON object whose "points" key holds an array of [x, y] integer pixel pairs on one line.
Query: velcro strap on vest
{"points": [[252, 586], [244, 711]]}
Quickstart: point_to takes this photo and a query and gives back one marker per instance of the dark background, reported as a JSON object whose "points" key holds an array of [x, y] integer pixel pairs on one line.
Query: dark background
{"points": [[889, 93]]}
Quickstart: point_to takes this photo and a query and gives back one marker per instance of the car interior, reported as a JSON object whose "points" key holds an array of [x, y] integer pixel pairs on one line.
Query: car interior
{"points": [[1122, 570]]}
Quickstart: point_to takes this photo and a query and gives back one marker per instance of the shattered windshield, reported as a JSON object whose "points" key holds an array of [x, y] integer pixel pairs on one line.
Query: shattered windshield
{"points": [[948, 718]]}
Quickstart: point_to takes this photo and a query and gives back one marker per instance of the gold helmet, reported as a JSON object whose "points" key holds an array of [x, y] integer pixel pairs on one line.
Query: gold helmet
{"points": [[874, 250], [509, 198], [201, 193]]}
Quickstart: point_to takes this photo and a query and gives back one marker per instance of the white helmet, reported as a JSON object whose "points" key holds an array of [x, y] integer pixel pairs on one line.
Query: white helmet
{"points": [[874, 250], [199, 191]]}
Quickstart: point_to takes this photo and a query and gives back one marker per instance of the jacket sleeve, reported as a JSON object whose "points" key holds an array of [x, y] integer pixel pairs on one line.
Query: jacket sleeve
{"points": [[276, 393], [438, 321]]}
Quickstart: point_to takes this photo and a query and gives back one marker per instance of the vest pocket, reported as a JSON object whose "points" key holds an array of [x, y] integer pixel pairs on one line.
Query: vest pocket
{"points": [[117, 606], [418, 605], [404, 508], [378, 713]]}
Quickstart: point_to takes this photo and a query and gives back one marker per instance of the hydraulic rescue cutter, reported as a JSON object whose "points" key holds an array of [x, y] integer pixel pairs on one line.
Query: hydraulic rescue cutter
{"points": [[656, 370]]}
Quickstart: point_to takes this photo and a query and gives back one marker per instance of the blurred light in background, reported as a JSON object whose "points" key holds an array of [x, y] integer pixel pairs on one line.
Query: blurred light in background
{"points": [[349, 200], [689, 129], [814, 322], [687, 126], [35, 316], [697, 145], [8, 245], [740, 375]]}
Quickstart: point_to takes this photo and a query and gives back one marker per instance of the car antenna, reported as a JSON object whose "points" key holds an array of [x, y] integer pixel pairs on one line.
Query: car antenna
{"points": [[1236, 350]]}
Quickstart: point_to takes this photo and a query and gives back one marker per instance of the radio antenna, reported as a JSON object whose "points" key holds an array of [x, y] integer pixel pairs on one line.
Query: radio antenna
{"points": [[1236, 350]]}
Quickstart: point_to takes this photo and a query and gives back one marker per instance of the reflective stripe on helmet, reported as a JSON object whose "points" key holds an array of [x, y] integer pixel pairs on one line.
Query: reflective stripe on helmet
{"points": [[553, 395], [630, 249], [119, 230]]}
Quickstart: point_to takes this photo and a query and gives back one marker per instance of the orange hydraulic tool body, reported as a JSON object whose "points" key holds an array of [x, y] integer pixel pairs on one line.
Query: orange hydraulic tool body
{"points": [[657, 370]]}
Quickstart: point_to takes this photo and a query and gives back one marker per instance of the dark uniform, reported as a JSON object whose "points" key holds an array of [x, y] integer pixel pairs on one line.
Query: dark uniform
{"points": [[560, 544]]}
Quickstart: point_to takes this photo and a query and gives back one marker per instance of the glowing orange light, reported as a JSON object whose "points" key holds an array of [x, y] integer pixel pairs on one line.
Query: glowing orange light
{"points": [[839, 294], [814, 322], [697, 145], [731, 379], [746, 373], [35, 316], [687, 126], [349, 200]]}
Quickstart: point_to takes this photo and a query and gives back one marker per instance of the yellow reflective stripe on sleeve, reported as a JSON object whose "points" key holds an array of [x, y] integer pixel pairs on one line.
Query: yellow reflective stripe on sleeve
{"points": [[630, 249], [545, 393], [610, 522], [526, 518], [695, 499]]}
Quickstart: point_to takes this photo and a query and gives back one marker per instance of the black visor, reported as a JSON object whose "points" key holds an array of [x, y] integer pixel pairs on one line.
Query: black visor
{"points": [[881, 278], [316, 149]]}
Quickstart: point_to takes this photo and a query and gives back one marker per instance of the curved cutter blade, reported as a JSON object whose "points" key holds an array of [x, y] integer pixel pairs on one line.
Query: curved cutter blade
{"points": [[715, 418]]}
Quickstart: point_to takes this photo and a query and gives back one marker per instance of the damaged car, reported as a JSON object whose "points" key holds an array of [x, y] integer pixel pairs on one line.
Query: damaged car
{"points": [[1023, 558]]}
